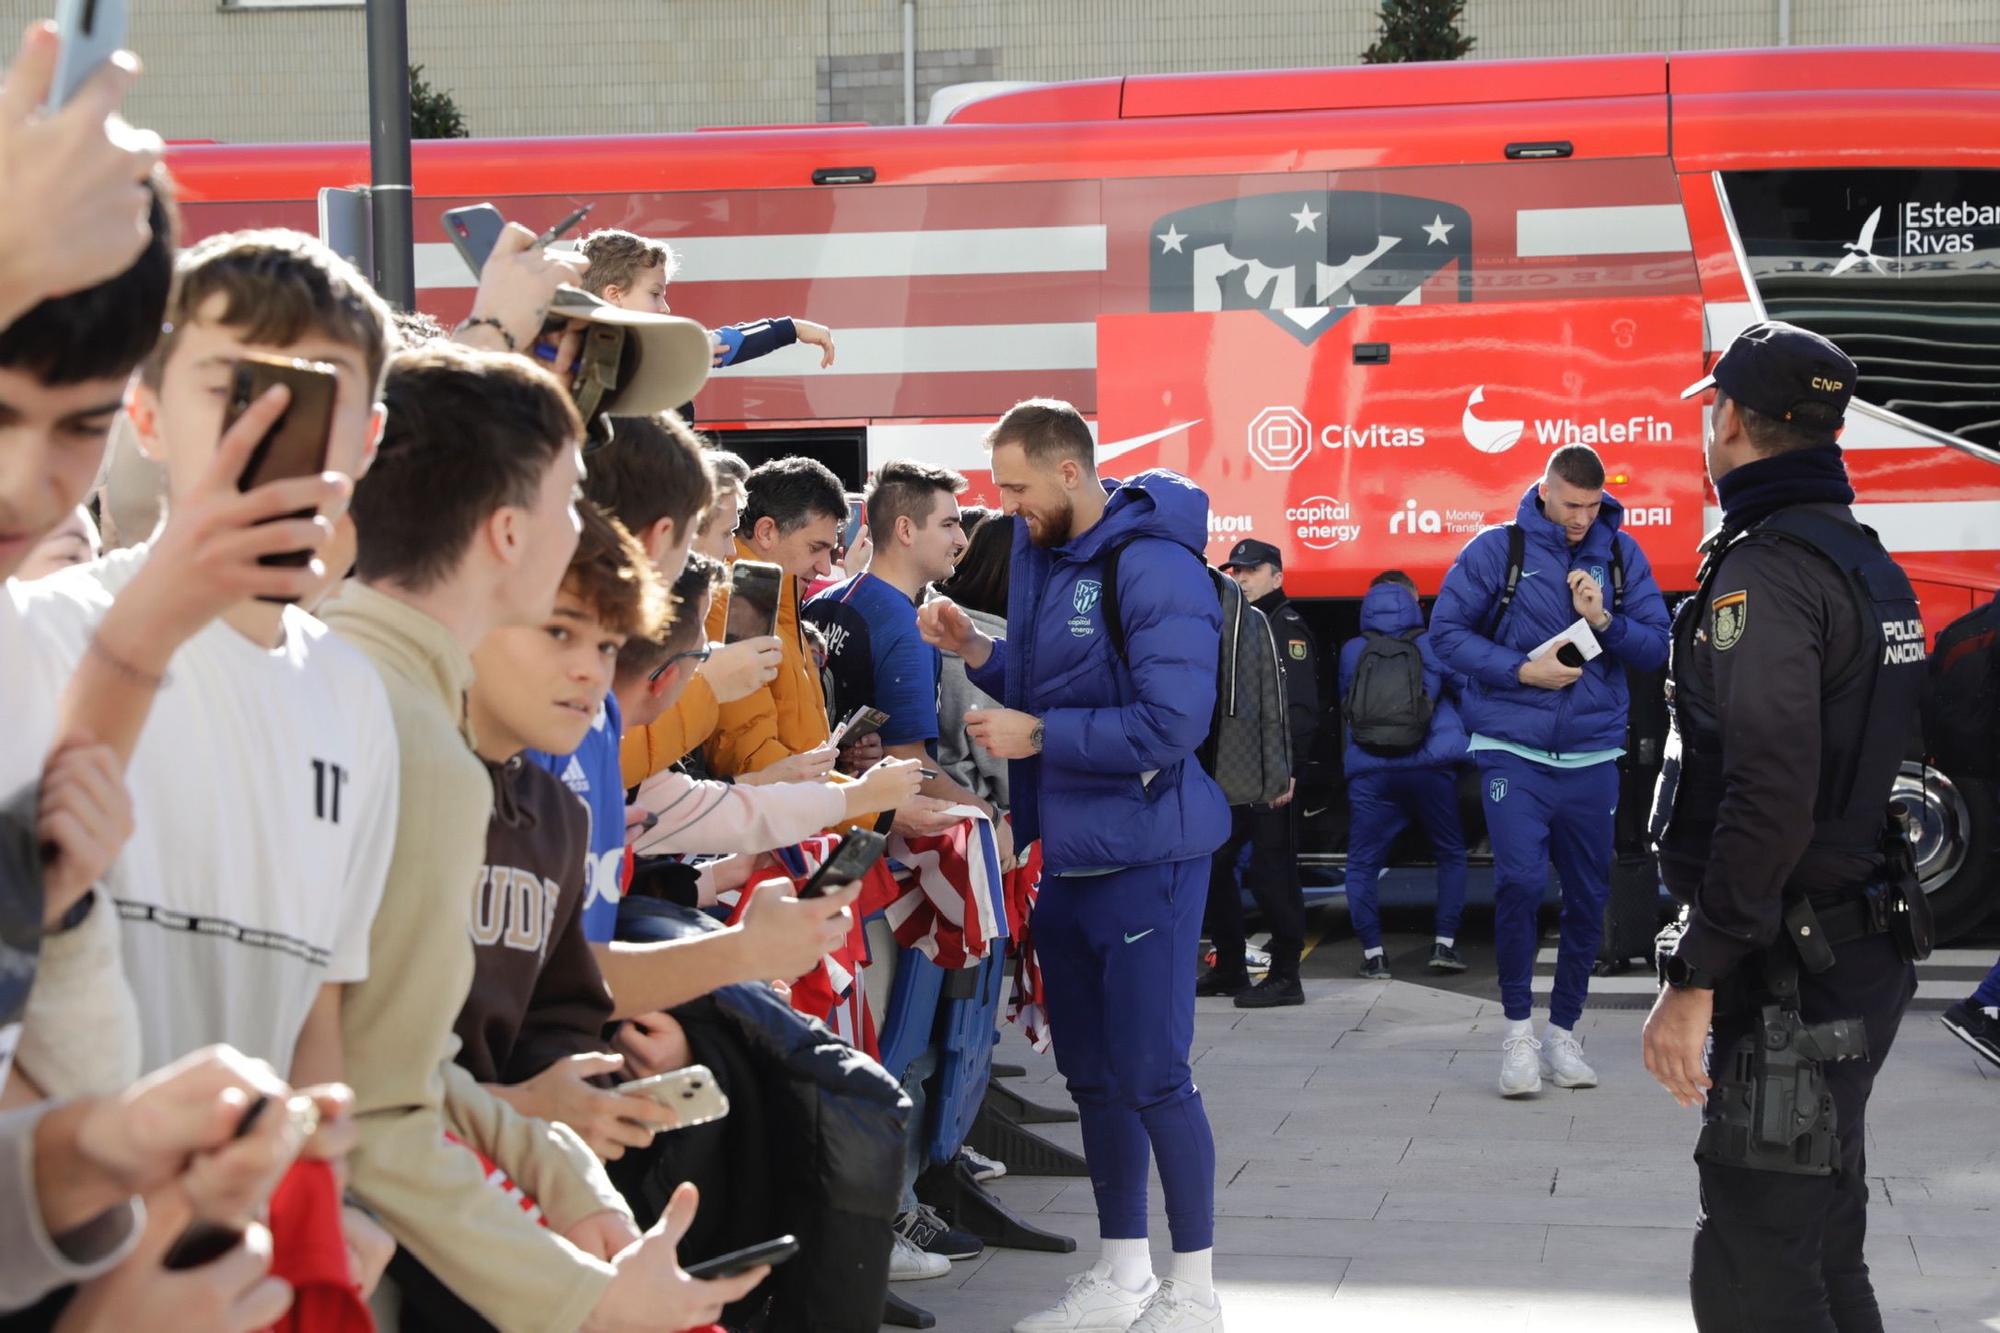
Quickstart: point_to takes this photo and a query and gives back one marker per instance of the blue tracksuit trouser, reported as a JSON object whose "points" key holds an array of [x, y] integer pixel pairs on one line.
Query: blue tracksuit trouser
{"points": [[1381, 804], [1118, 956], [1535, 812], [1988, 994]]}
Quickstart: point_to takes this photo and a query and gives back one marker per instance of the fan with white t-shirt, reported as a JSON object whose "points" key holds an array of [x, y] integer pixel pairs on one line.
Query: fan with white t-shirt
{"points": [[264, 804]]}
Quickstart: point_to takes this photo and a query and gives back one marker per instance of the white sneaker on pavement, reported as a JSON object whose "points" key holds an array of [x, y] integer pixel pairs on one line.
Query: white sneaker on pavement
{"points": [[984, 1168], [1520, 1065], [1562, 1060], [1176, 1309], [907, 1263], [1093, 1304]]}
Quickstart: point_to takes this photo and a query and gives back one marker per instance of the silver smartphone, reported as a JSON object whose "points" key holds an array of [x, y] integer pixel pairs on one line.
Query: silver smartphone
{"points": [[91, 30], [692, 1093]]}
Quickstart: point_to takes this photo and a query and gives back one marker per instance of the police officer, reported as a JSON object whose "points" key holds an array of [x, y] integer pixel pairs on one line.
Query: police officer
{"points": [[1796, 672], [1271, 830]]}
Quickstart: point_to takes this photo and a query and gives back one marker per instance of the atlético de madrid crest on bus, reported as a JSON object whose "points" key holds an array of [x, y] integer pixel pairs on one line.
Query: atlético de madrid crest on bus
{"points": [[1307, 257]]}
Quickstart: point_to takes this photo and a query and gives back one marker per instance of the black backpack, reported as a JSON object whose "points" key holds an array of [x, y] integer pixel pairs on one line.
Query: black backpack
{"points": [[1962, 699], [1249, 746], [1388, 712]]}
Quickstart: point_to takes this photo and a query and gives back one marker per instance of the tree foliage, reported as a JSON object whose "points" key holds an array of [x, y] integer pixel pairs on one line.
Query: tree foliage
{"points": [[433, 115], [1418, 30]]}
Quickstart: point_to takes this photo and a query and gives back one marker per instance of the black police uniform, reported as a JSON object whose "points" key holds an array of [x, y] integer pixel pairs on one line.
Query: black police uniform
{"points": [[1795, 678], [1272, 833]]}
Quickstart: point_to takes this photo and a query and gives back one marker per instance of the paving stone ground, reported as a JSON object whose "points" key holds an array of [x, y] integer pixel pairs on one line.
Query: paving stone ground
{"points": [[1369, 1176]]}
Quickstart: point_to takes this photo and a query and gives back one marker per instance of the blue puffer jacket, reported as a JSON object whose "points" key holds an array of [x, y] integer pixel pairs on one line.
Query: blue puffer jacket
{"points": [[1108, 721], [1589, 715], [1390, 608]]}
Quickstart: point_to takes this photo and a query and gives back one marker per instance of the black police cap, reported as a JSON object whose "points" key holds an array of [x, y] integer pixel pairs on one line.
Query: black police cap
{"points": [[1785, 372], [1250, 553]]}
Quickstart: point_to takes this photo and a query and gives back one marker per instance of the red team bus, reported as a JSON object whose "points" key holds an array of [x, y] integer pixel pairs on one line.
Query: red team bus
{"points": [[1359, 306]]}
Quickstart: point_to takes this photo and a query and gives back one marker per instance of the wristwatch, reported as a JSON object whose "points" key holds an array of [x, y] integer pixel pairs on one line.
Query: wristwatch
{"points": [[1679, 973], [1035, 736]]}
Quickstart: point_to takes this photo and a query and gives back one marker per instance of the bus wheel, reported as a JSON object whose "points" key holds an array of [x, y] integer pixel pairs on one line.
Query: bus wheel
{"points": [[1953, 824]]}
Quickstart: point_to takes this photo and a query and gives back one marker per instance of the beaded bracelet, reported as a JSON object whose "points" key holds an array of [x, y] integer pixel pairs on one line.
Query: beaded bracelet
{"points": [[486, 321]]}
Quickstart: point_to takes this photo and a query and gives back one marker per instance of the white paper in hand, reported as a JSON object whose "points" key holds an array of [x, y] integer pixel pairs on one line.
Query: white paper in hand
{"points": [[1579, 634]]}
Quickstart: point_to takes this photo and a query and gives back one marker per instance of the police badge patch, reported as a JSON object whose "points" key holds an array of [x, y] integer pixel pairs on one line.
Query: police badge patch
{"points": [[1731, 618], [1298, 650]]}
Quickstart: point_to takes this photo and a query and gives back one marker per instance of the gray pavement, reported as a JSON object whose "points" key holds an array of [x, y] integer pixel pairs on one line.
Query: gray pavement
{"points": [[1368, 1175]]}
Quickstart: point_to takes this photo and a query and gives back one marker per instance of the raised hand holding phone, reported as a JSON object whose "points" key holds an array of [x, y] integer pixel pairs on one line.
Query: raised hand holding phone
{"points": [[516, 285], [74, 178]]}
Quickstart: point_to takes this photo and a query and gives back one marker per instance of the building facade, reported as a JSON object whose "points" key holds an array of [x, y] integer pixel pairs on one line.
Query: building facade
{"points": [[289, 70]]}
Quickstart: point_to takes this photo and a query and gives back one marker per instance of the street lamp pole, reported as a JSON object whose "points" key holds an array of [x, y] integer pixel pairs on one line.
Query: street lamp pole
{"points": [[389, 150]]}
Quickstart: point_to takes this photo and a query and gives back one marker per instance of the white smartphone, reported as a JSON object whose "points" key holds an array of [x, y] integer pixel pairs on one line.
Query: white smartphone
{"points": [[91, 30], [692, 1093]]}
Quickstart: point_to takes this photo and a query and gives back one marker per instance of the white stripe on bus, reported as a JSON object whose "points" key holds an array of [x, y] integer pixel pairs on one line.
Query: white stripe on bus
{"points": [[1620, 229], [935, 349], [848, 254]]}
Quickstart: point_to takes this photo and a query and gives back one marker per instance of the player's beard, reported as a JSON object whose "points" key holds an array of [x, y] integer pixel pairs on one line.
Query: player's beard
{"points": [[1052, 530]]}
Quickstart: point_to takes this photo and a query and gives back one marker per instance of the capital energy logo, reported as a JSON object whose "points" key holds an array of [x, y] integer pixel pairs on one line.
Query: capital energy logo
{"points": [[1323, 522], [1307, 257]]}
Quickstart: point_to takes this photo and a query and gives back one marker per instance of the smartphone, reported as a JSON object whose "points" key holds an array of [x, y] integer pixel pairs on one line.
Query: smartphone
{"points": [[773, 1252], [693, 1094], [91, 30], [857, 515], [753, 600], [474, 230], [1570, 655], [849, 862], [859, 725], [296, 444]]}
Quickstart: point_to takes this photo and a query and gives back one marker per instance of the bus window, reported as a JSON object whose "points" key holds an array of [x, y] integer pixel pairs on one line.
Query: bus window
{"points": [[1900, 267]]}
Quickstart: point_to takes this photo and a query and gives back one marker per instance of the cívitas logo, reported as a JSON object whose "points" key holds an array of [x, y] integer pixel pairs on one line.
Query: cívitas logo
{"points": [[1306, 257]]}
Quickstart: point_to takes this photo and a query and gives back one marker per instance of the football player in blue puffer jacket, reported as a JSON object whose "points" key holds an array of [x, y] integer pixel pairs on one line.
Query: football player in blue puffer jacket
{"points": [[1104, 771], [1547, 736]]}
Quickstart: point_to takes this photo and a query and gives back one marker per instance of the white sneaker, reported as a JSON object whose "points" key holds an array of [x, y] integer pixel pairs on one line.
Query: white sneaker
{"points": [[1093, 1304], [1562, 1060], [907, 1263], [1176, 1309], [1520, 1066], [984, 1168]]}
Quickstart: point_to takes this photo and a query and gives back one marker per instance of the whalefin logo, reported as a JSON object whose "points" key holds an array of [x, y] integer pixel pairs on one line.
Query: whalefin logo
{"points": [[1863, 249], [1306, 257], [1488, 437]]}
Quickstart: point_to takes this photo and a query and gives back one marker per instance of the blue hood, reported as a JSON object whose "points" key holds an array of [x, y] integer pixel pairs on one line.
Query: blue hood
{"points": [[1158, 504], [1544, 531], [1390, 608]]}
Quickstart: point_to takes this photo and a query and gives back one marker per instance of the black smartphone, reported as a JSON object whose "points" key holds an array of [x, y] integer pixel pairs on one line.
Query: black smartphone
{"points": [[1570, 656], [858, 725], [753, 600], [90, 31], [772, 1252], [849, 862], [474, 230], [296, 444]]}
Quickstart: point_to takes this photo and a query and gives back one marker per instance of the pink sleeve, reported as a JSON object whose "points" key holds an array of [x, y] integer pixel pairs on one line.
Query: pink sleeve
{"points": [[707, 816]]}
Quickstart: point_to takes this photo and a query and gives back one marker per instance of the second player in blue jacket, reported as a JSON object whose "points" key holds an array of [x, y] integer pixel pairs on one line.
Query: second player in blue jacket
{"points": [[1547, 736]]}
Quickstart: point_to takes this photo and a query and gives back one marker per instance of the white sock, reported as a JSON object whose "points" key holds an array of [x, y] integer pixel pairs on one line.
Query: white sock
{"points": [[1553, 1029], [1130, 1262], [1195, 1270], [1521, 1028], [1446, 940], [1375, 952]]}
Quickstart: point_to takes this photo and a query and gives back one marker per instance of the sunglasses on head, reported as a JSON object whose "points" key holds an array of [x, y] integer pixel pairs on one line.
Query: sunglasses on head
{"points": [[698, 655]]}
